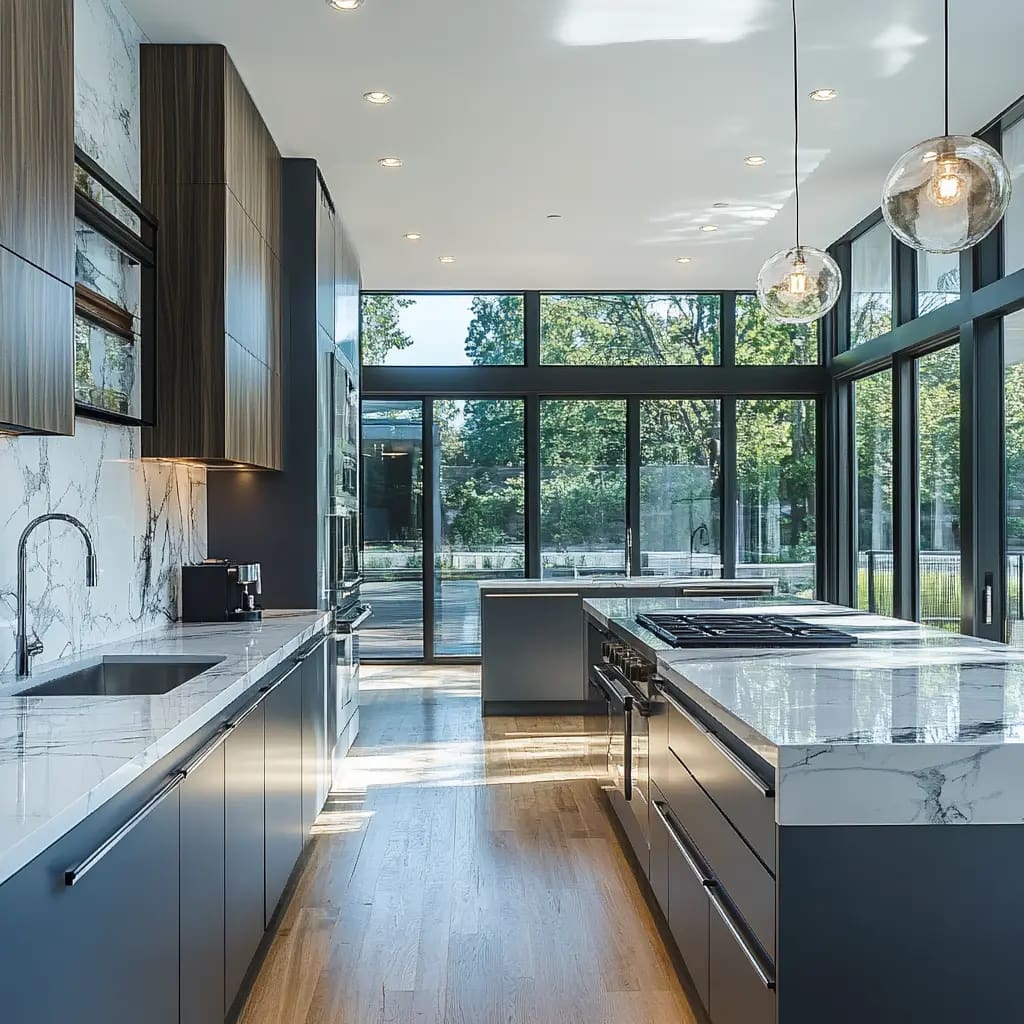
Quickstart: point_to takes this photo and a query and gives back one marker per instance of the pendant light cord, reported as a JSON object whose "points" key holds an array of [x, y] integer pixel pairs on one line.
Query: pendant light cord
{"points": [[796, 130], [945, 69]]}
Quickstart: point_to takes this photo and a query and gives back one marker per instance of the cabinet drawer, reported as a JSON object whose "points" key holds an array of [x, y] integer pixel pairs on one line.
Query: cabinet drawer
{"points": [[743, 797], [686, 903], [741, 991], [732, 863]]}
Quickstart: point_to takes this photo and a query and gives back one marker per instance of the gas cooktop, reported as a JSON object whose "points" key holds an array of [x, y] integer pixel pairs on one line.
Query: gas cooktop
{"points": [[741, 631]]}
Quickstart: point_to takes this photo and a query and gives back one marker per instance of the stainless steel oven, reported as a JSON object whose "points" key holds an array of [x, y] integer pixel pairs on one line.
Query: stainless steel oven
{"points": [[620, 678]]}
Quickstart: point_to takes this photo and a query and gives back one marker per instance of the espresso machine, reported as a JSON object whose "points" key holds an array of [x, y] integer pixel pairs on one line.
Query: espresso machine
{"points": [[217, 590]]}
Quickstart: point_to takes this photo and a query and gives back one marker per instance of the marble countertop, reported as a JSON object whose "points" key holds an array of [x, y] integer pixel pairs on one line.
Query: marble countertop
{"points": [[62, 757], [624, 583], [911, 726]]}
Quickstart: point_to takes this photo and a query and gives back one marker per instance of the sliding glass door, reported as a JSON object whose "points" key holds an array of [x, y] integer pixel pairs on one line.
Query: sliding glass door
{"points": [[583, 487], [478, 517], [680, 487]]}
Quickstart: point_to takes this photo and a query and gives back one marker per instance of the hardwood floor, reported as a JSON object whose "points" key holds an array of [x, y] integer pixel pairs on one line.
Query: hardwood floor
{"points": [[465, 872]]}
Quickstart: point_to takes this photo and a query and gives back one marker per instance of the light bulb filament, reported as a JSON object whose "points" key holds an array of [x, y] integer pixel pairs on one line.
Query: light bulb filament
{"points": [[947, 184]]}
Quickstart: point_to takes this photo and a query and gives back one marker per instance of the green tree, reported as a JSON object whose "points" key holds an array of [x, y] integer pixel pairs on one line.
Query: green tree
{"points": [[382, 333]]}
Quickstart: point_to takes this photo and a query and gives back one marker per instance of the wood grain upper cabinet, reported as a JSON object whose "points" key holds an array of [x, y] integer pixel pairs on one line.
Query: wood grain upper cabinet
{"points": [[37, 236], [212, 175]]}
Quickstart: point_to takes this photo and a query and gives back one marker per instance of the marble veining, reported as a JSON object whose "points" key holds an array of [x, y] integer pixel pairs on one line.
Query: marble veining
{"points": [[913, 725], [62, 757], [146, 518]]}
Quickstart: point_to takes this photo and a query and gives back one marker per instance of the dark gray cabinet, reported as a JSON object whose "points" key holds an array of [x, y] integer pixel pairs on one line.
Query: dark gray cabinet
{"points": [[740, 991], [325, 263], [283, 785], [105, 949], [202, 892], [314, 733], [243, 849]]}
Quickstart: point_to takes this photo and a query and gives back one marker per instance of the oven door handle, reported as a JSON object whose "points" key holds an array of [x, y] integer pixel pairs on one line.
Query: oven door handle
{"points": [[617, 693], [612, 688]]}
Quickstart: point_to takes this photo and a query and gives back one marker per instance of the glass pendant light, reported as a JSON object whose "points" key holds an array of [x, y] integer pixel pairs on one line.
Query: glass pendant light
{"points": [[946, 194], [801, 284]]}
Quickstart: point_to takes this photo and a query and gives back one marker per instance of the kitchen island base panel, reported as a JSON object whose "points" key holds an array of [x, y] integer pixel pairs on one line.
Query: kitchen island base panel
{"points": [[900, 923]]}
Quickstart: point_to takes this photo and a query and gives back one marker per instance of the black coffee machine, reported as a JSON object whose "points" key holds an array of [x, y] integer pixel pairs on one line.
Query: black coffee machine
{"points": [[217, 590]]}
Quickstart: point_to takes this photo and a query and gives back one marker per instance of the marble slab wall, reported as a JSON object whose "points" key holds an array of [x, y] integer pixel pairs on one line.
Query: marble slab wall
{"points": [[146, 518]]}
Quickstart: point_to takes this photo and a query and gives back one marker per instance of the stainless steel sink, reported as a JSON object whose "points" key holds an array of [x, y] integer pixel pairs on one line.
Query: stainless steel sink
{"points": [[123, 676]]}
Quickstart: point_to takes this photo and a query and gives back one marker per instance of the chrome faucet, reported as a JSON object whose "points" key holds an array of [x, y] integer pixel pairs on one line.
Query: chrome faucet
{"points": [[27, 649]]}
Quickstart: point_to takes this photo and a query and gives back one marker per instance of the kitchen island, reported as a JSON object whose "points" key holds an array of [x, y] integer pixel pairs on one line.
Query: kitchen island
{"points": [[533, 637], [832, 833]]}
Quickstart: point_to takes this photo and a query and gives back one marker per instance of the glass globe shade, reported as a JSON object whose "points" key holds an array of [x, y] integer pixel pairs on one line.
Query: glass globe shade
{"points": [[946, 194], [799, 285]]}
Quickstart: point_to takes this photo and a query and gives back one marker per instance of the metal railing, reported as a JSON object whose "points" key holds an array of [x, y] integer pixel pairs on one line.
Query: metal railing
{"points": [[938, 586]]}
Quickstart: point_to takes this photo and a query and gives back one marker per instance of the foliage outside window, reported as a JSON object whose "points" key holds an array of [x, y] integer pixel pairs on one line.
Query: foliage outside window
{"points": [[938, 448], [761, 341], [480, 525], [1013, 411], [442, 330], [873, 452], [776, 479], [680, 487], [871, 284], [630, 330], [938, 280], [583, 487]]}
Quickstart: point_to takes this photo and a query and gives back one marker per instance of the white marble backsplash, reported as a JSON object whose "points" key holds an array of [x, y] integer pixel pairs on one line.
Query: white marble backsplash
{"points": [[146, 518]]}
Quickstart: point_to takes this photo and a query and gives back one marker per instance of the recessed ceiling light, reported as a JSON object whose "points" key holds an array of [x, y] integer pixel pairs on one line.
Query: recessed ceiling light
{"points": [[755, 161], [390, 161], [377, 96], [412, 236], [683, 259], [446, 259], [719, 206], [708, 227], [344, 5], [824, 95]]}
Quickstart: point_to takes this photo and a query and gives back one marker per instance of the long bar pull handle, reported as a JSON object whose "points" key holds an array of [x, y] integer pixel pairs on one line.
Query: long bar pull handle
{"points": [[745, 770], [205, 752], [684, 850], [75, 874], [748, 773], [309, 653], [741, 940], [698, 725], [627, 742], [988, 598]]}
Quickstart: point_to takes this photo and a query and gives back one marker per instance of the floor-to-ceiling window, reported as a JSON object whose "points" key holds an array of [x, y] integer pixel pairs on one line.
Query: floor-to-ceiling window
{"points": [[1013, 417], [680, 487], [938, 459], [572, 436], [583, 487], [873, 479], [479, 514], [871, 284], [776, 462], [392, 520]]}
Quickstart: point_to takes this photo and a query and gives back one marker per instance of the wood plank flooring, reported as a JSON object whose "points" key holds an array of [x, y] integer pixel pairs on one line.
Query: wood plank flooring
{"points": [[465, 872]]}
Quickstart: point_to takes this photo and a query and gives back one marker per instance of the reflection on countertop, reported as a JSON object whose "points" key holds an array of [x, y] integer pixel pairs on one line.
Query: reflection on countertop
{"points": [[62, 757]]}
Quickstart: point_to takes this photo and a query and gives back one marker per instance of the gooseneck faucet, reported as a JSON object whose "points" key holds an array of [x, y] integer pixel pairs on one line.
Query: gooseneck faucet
{"points": [[28, 648]]}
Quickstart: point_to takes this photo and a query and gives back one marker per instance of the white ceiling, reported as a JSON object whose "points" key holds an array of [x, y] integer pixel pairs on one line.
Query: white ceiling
{"points": [[630, 118]]}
